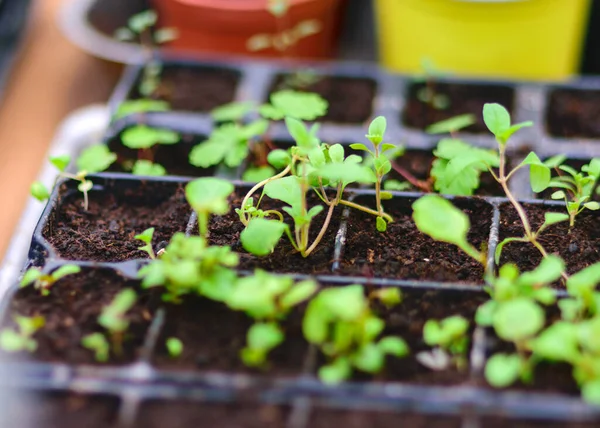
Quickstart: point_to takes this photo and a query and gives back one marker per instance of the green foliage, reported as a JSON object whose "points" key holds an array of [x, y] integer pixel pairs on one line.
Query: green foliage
{"points": [[458, 166], [261, 338], [298, 105], [147, 168], [256, 175], [21, 339], [339, 321], [189, 266], [174, 347], [227, 144], [206, 196], [497, 119], [451, 125], [96, 158], [43, 281], [39, 191], [97, 343], [113, 317], [442, 221], [145, 137], [142, 105], [146, 237], [261, 236], [450, 336], [232, 112]]}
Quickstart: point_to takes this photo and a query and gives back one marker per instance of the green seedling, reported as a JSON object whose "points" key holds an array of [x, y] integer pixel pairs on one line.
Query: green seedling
{"points": [[308, 166], [21, 339], [114, 317], [142, 105], [145, 139], [139, 27], [44, 281], [451, 341], [576, 187], [267, 299], [189, 266], [429, 94], [146, 237], [96, 158], [97, 343], [340, 322], [174, 347], [294, 104], [452, 125], [208, 196], [584, 300], [148, 169]]}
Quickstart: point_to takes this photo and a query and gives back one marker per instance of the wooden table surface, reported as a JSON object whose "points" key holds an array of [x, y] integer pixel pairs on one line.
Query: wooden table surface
{"points": [[50, 79]]}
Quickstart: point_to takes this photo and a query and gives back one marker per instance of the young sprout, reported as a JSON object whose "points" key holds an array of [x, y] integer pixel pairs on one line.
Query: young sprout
{"points": [[308, 166], [188, 265], [298, 105], [428, 94], [146, 237], [97, 343], [583, 300], [96, 158], [145, 139], [340, 322], [140, 27], [21, 339], [174, 347], [267, 299], [147, 168], [44, 281], [142, 105], [206, 196], [576, 187], [451, 341], [113, 317]]}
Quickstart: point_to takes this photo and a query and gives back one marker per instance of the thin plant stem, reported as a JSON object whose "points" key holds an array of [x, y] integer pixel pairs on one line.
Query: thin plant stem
{"points": [[366, 210], [257, 186]]}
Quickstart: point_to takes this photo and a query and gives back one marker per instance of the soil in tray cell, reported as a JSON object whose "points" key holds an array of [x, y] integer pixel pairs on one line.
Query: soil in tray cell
{"points": [[418, 164], [407, 319], [350, 98], [109, 15], [71, 311], [123, 209], [403, 252], [213, 336], [196, 88], [225, 230], [463, 99], [579, 246], [189, 414], [173, 157], [499, 422], [20, 409], [329, 418], [573, 113]]}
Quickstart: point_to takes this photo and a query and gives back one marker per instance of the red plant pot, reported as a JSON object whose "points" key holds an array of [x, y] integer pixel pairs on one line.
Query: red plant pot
{"points": [[241, 26]]}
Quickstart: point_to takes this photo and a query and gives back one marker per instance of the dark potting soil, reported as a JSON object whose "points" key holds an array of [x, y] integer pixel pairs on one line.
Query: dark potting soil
{"points": [[20, 409], [107, 16], [189, 414], [418, 163], [350, 98], [403, 252], [579, 247], [407, 320], [173, 157], [105, 232], [213, 336], [464, 98], [71, 311], [195, 88], [225, 230], [573, 113], [347, 418], [500, 422]]}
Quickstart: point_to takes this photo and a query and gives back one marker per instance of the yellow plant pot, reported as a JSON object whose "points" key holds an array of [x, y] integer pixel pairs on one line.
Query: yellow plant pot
{"points": [[530, 39]]}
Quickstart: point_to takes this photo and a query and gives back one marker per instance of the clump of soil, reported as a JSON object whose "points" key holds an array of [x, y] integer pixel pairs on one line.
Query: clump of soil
{"points": [[403, 252], [463, 99], [71, 311], [578, 247], [350, 98], [105, 232], [573, 113]]}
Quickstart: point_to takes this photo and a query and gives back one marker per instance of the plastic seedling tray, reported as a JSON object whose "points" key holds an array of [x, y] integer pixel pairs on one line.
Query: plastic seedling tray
{"points": [[146, 382]]}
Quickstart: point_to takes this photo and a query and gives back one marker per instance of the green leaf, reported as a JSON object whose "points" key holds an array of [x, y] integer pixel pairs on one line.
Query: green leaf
{"points": [[265, 336], [395, 185], [142, 105], [496, 118], [209, 195], [592, 205], [146, 236], [97, 343], [485, 313], [299, 293], [393, 346], [539, 173], [165, 35], [209, 153], [590, 391], [39, 191], [346, 173], [294, 104], [279, 158], [584, 281], [555, 161], [553, 218], [442, 221], [518, 319], [502, 370], [377, 130], [65, 270], [285, 189], [548, 271], [505, 136], [174, 347], [145, 137], [360, 147], [451, 125], [256, 175], [369, 358], [261, 236], [557, 343], [61, 162], [336, 372], [501, 245], [96, 158], [142, 21], [146, 168], [31, 275], [381, 224]]}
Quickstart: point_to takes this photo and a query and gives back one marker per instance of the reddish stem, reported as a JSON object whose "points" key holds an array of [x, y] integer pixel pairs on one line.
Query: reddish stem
{"points": [[419, 184]]}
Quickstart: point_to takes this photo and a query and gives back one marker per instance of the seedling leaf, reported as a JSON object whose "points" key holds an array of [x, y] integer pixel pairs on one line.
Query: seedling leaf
{"points": [[261, 236]]}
